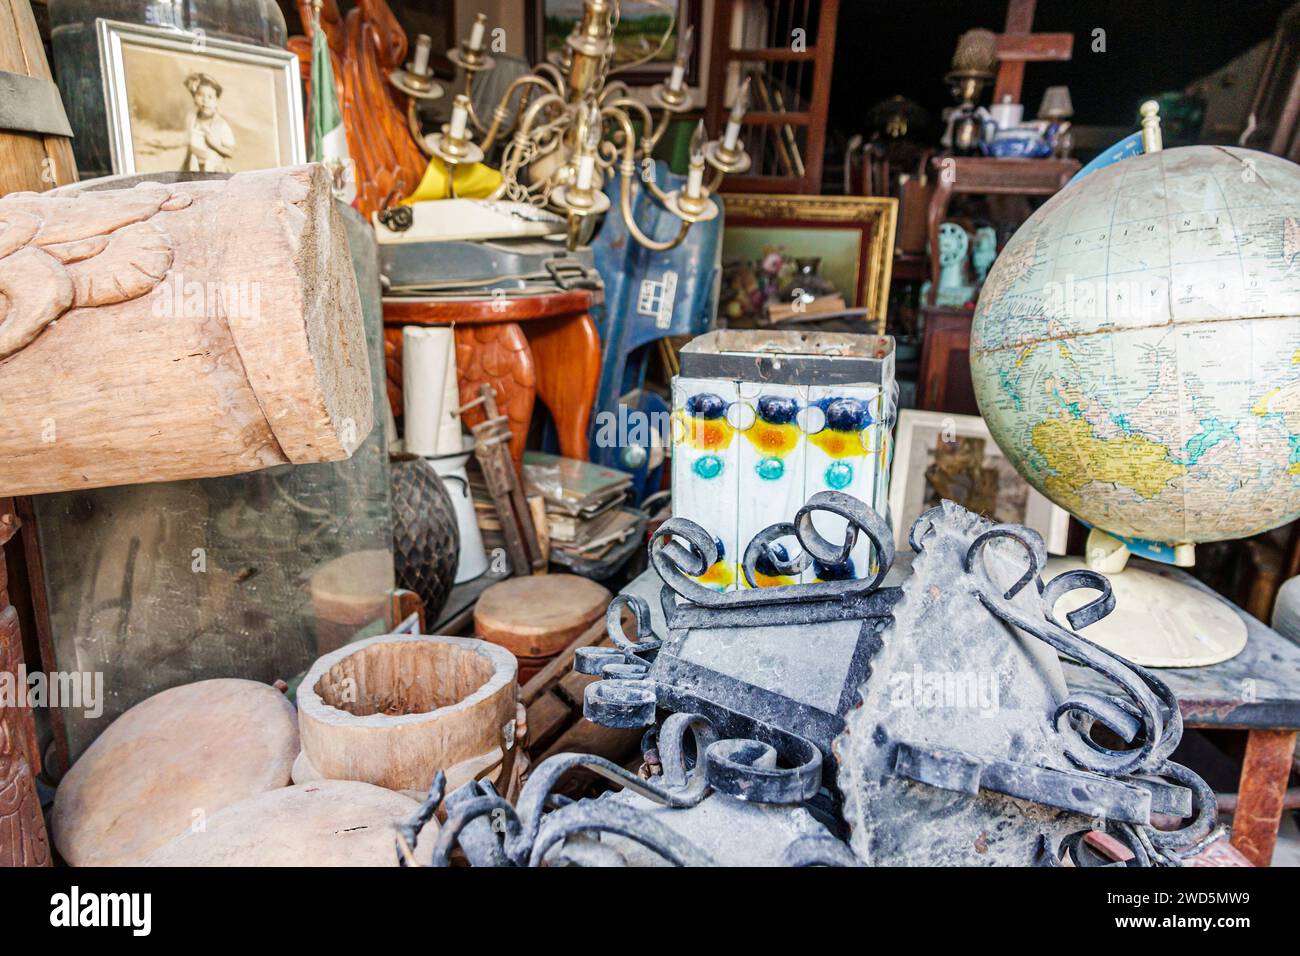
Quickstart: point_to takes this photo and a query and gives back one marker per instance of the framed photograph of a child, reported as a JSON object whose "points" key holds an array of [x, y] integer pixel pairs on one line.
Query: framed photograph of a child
{"points": [[181, 101]]}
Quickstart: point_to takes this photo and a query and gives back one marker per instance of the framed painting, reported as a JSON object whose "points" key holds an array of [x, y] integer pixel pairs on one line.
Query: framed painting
{"points": [[180, 101], [780, 250], [938, 455], [644, 47]]}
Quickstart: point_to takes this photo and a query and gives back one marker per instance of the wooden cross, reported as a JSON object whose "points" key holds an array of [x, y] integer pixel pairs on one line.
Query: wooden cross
{"points": [[1018, 45]]}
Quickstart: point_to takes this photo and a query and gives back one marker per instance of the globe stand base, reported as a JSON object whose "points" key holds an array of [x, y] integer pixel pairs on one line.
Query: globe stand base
{"points": [[1157, 621]]}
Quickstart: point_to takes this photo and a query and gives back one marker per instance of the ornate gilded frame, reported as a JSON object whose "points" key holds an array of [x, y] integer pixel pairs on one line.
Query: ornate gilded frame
{"points": [[874, 216]]}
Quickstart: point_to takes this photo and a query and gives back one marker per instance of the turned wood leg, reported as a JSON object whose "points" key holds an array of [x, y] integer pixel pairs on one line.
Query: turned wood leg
{"points": [[498, 354], [567, 353], [1264, 775]]}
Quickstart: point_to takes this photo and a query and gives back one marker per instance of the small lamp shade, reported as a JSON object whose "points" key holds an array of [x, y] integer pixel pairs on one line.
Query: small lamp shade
{"points": [[1056, 104]]}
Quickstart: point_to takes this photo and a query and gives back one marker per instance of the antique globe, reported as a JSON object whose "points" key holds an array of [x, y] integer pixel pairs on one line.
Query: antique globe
{"points": [[1136, 349]]}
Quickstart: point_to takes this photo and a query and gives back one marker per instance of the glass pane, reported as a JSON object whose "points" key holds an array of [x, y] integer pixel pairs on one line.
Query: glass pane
{"points": [[162, 584]]}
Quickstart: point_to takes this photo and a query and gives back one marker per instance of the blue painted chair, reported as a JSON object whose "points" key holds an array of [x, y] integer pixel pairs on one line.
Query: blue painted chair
{"points": [[649, 296]]}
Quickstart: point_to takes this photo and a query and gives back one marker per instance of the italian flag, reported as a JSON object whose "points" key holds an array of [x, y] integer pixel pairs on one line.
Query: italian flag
{"points": [[329, 145]]}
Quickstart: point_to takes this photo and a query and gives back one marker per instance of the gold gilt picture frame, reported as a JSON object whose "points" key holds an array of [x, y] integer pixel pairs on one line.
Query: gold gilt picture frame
{"points": [[852, 235]]}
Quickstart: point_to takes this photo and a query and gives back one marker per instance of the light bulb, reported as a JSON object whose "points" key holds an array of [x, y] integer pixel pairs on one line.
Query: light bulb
{"points": [[738, 109], [695, 176], [684, 47], [741, 106], [698, 138], [592, 131]]}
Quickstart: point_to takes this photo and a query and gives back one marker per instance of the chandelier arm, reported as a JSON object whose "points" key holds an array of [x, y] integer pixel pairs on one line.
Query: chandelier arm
{"points": [[665, 117], [624, 103], [503, 107], [625, 209], [628, 171], [525, 126], [618, 87], [413, 125], [557, 78]]}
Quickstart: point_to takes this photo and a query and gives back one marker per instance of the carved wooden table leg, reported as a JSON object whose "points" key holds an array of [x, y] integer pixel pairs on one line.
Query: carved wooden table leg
{"points": [[498, 355], [567, 351], [22, 827], [1264, 775], [525, 347]]}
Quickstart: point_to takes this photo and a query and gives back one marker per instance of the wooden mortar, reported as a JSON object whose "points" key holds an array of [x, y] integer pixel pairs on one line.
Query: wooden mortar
{"points": [[393, 710]]}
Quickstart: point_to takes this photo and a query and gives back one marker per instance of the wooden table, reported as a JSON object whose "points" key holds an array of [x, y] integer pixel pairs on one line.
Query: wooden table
{"points": [[525, 346], [1257, 691]]}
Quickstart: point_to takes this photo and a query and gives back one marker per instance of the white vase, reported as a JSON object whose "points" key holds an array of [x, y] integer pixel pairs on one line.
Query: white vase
{"points": [[451, 468]]}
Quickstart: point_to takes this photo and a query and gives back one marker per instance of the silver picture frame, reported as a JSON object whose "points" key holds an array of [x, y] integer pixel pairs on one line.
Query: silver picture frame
{"points": [[115, 37]]}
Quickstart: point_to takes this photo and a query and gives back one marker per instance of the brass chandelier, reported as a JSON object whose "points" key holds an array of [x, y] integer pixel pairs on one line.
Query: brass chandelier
{"points": [[574, 124]]}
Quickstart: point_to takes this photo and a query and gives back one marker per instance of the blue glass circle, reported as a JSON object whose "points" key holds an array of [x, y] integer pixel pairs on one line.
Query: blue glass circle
{"points": [[707, 466], [770, 469], [839, 475]]}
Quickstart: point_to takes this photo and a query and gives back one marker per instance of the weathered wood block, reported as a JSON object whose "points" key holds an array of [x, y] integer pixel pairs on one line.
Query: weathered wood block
{"points": [[187, 330]]}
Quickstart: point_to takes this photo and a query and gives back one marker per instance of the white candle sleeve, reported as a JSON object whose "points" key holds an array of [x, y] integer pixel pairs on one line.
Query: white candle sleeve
{"points": [[678, 75], [425, 367], [586, 171], [695, 182], [423, 44], [733, 135], [476, 35], [459, 117]]}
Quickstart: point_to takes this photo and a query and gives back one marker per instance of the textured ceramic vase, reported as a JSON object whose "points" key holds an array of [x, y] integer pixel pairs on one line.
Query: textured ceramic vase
{"points": [[426, 542]]}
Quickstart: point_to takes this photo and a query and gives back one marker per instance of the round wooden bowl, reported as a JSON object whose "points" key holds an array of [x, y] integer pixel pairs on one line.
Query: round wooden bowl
{"points": [[394, 710]]}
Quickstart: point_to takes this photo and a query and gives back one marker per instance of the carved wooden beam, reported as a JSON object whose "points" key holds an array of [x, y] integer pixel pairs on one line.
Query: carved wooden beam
{"points": [[158, 332]]}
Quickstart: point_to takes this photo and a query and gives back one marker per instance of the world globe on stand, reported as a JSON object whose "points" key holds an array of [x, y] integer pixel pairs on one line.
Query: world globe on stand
{"points": [[1136, 346]]}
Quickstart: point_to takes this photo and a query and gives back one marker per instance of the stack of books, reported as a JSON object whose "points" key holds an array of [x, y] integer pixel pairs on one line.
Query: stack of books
{"points": [[583, 503]]}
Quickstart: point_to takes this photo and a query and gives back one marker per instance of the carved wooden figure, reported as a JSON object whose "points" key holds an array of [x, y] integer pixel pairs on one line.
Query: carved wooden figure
{"points": [[159, 332], [365, 46], [22, 828]]}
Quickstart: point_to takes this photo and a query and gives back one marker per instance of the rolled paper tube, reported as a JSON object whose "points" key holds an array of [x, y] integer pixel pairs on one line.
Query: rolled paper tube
{"points": [[424, 373], [450, 440]]}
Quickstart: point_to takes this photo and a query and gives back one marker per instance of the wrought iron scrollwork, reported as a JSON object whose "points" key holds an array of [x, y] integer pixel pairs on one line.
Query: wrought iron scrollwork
{"points": [[1146, 716], [678, 565]]}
